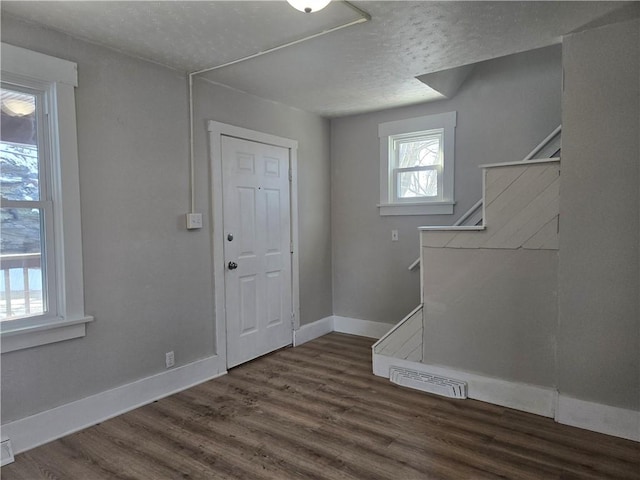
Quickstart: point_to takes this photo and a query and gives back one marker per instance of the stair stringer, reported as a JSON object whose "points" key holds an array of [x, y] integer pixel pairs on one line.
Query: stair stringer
{"points": [[404, 340]]}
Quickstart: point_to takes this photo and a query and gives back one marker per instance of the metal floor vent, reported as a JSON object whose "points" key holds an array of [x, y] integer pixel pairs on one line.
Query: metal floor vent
{"points": [[6, 453], [446, 387]]}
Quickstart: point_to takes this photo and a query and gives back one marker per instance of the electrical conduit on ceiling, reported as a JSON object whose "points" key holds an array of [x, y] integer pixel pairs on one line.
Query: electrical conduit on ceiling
{"points": [[364, 17]]}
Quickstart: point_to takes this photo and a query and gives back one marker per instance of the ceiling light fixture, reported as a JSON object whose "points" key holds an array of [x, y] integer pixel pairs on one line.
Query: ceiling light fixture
{"points": [[308, 6], [16, 107]]}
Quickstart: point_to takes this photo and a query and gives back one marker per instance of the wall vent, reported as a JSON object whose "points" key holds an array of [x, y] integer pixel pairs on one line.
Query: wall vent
{"points": [[6, 453], [426, 382]]}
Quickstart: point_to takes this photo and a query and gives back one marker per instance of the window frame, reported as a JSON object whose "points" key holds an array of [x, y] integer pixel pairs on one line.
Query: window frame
{"points": [[389, 132], [58, 79]]}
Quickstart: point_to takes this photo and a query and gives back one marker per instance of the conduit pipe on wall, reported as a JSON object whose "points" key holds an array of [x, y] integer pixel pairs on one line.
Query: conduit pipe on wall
{"points": [[364, 17]]}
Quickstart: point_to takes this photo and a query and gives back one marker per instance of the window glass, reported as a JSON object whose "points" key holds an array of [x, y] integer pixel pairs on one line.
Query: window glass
{"points": [[22, 279], [418, 183], [417, 165], [19, 146], [420, 152]]}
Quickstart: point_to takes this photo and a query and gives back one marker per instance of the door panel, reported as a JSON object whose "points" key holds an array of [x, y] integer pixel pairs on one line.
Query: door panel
{"points": [[256, 237]]}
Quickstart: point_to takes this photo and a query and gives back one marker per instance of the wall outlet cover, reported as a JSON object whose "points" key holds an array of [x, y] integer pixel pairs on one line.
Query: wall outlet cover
{"points": [[169, 359], [194, 220]]}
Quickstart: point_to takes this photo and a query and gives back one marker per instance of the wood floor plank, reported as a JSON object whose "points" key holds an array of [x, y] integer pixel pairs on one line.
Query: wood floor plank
{"points": [[317, 412]]}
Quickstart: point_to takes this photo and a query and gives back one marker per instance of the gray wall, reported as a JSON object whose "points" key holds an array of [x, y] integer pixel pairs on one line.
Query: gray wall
{"points": [[148, 281], [215, 102], [505, 108], [492, 312], [599, 314]]}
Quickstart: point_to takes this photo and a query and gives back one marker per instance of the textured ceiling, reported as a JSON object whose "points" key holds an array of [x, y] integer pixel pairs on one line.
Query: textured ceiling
{"points": [[365, 67]]}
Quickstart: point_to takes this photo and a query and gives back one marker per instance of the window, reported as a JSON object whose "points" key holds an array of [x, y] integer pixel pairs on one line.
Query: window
{"points": [[417, 165], [41, 288], [26, 213]]}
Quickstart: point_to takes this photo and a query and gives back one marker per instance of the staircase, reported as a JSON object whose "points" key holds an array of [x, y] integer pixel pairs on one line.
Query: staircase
{"points": [[483, 293], [550, 147]]}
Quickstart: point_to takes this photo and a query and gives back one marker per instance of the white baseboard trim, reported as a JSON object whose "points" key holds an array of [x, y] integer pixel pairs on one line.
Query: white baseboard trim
{"points": [[335, 323], [313, 330], [364, 328], [597, 417], [33, 431], [519, 396], [30, 432]]}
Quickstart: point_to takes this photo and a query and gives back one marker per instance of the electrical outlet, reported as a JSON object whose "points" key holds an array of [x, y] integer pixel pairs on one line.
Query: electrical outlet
{"points": [[394, 235], [194, 220], [169, 359]]}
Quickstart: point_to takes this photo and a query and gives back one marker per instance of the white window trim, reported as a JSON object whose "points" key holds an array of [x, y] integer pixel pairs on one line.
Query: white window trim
{"points": [[444, 206], [70, 321]]}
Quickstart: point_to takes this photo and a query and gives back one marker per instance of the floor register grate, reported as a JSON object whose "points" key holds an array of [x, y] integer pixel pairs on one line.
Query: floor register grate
{"points": [[426, 382]]}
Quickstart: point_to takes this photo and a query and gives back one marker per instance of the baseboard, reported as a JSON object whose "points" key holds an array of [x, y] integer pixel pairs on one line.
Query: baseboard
{"points": [[597, 417], [335, 323], [41, 428], [364, 328], [519, 396], [313, 330], [33, 431]]}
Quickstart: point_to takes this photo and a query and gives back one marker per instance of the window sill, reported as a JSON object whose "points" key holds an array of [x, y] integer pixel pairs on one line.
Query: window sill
{"points": [[422, 208], [19, 337]]}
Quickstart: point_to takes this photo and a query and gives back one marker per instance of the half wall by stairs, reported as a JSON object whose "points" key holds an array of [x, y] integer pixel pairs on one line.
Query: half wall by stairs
{"points": [[488, 312], [488, 295]]}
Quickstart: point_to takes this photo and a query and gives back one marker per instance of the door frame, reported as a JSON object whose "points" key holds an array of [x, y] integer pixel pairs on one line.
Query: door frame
{"points": [[216, 131]]}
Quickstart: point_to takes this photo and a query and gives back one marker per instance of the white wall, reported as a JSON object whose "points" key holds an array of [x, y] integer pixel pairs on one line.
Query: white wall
{"points": [[148, 281], [505, 108], [599, 311]]}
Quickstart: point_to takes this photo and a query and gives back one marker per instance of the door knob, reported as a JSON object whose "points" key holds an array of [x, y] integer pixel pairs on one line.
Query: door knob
{"points": [[233, 265]]}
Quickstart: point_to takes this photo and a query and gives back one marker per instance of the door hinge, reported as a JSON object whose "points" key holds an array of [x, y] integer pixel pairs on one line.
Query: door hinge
{"points": [[291, 247], [290, 175], [293, 319]]}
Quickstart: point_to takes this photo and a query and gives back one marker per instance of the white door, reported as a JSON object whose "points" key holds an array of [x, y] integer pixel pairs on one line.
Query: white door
{"points": [[257, 242]]}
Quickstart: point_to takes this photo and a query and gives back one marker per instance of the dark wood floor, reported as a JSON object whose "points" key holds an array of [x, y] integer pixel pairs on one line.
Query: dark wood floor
{"points": [[317, 412]]}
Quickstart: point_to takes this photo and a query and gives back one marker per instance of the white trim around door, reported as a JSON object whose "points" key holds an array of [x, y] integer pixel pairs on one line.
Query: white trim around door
{"points": [[216, 131]]}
